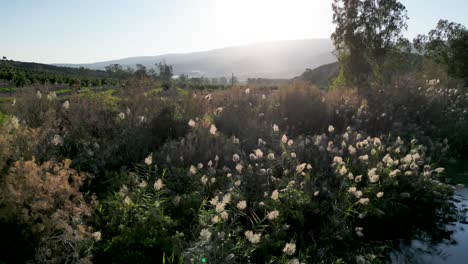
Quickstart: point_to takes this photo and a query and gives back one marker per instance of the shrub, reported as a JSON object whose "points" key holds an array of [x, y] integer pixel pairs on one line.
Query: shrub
{"points": [[46, 201]]}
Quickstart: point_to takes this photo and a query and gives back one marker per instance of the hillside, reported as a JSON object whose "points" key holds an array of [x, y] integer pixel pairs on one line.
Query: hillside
{"points": [[282, 59], [321, 76], [52, 69]]}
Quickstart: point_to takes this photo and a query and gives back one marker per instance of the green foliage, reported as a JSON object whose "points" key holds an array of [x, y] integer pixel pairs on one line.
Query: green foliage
{"points": [[23, 73], [366, 32], [447, 44], [136, 227], [257, 175], [7, 90]]}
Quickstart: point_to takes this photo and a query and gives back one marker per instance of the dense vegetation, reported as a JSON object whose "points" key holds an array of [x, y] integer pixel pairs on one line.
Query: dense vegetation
{"points": [[158, 170]]}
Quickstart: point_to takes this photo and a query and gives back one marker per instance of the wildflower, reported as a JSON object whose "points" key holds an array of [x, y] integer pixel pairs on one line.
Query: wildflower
{"points": [[293, 155], [373, 176], [364, 157], [193, 169], [309, 167], [358, 231], [272, 215], [258, 153], [226, 198], [271, 156], [237, 183], [338, 160], [142, 184], [239, 168], [290, 142], [364, 201], [14, 121], [220, 207], [235, 140], [350, 176], [214, 200], [284, 139], [331, 129], [275, 195], [192, 123], [388, 160], [247, 91], [263, 97], [218, 110], [351, 150], [439, 170], [210, 163], [275, 128], [252, 156], [57, 140], [149, 159], [204, 179], [399, 141], [235, 158], [394, 173], [205, 234], [224, 215], [377, 141], [39, 95], [379, 194], [51, 96], [213, 129], [127, 200], [294, 261], [208, 97], [358, 136], [215, 219], [252, 237], [316, 193], [289, 249], [158, 185], [97, 235], [242, 205], [358, 178], [358, 194], [346, 136], [121, 116], [343, 170], [13, 103], [352, 190], [261, 142], [300, 167]]}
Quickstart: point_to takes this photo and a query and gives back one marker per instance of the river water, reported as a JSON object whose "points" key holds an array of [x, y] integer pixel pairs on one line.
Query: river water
{"points": [[454, 251]]}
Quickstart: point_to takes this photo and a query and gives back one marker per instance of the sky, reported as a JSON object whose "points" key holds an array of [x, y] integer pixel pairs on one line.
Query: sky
{"points": [[85, 31]]}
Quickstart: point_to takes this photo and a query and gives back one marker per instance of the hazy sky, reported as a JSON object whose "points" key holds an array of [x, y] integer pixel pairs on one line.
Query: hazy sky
{"points": [[79, 31]]}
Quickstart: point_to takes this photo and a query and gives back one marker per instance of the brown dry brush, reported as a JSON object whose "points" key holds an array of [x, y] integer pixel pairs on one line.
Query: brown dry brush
{"points": [[45, 198]]}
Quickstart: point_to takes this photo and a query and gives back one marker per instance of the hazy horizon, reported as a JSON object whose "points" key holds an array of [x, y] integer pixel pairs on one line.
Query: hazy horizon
{"points": [[80, 32]]}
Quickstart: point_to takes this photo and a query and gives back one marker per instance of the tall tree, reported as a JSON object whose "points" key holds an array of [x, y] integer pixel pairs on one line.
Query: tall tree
{"points": [[140, 72], [447, 44], [366, 32], [165, 71]]}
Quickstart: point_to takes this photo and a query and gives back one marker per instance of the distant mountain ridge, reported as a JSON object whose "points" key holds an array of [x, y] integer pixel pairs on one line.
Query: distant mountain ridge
{"points": [[280, 59]]}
